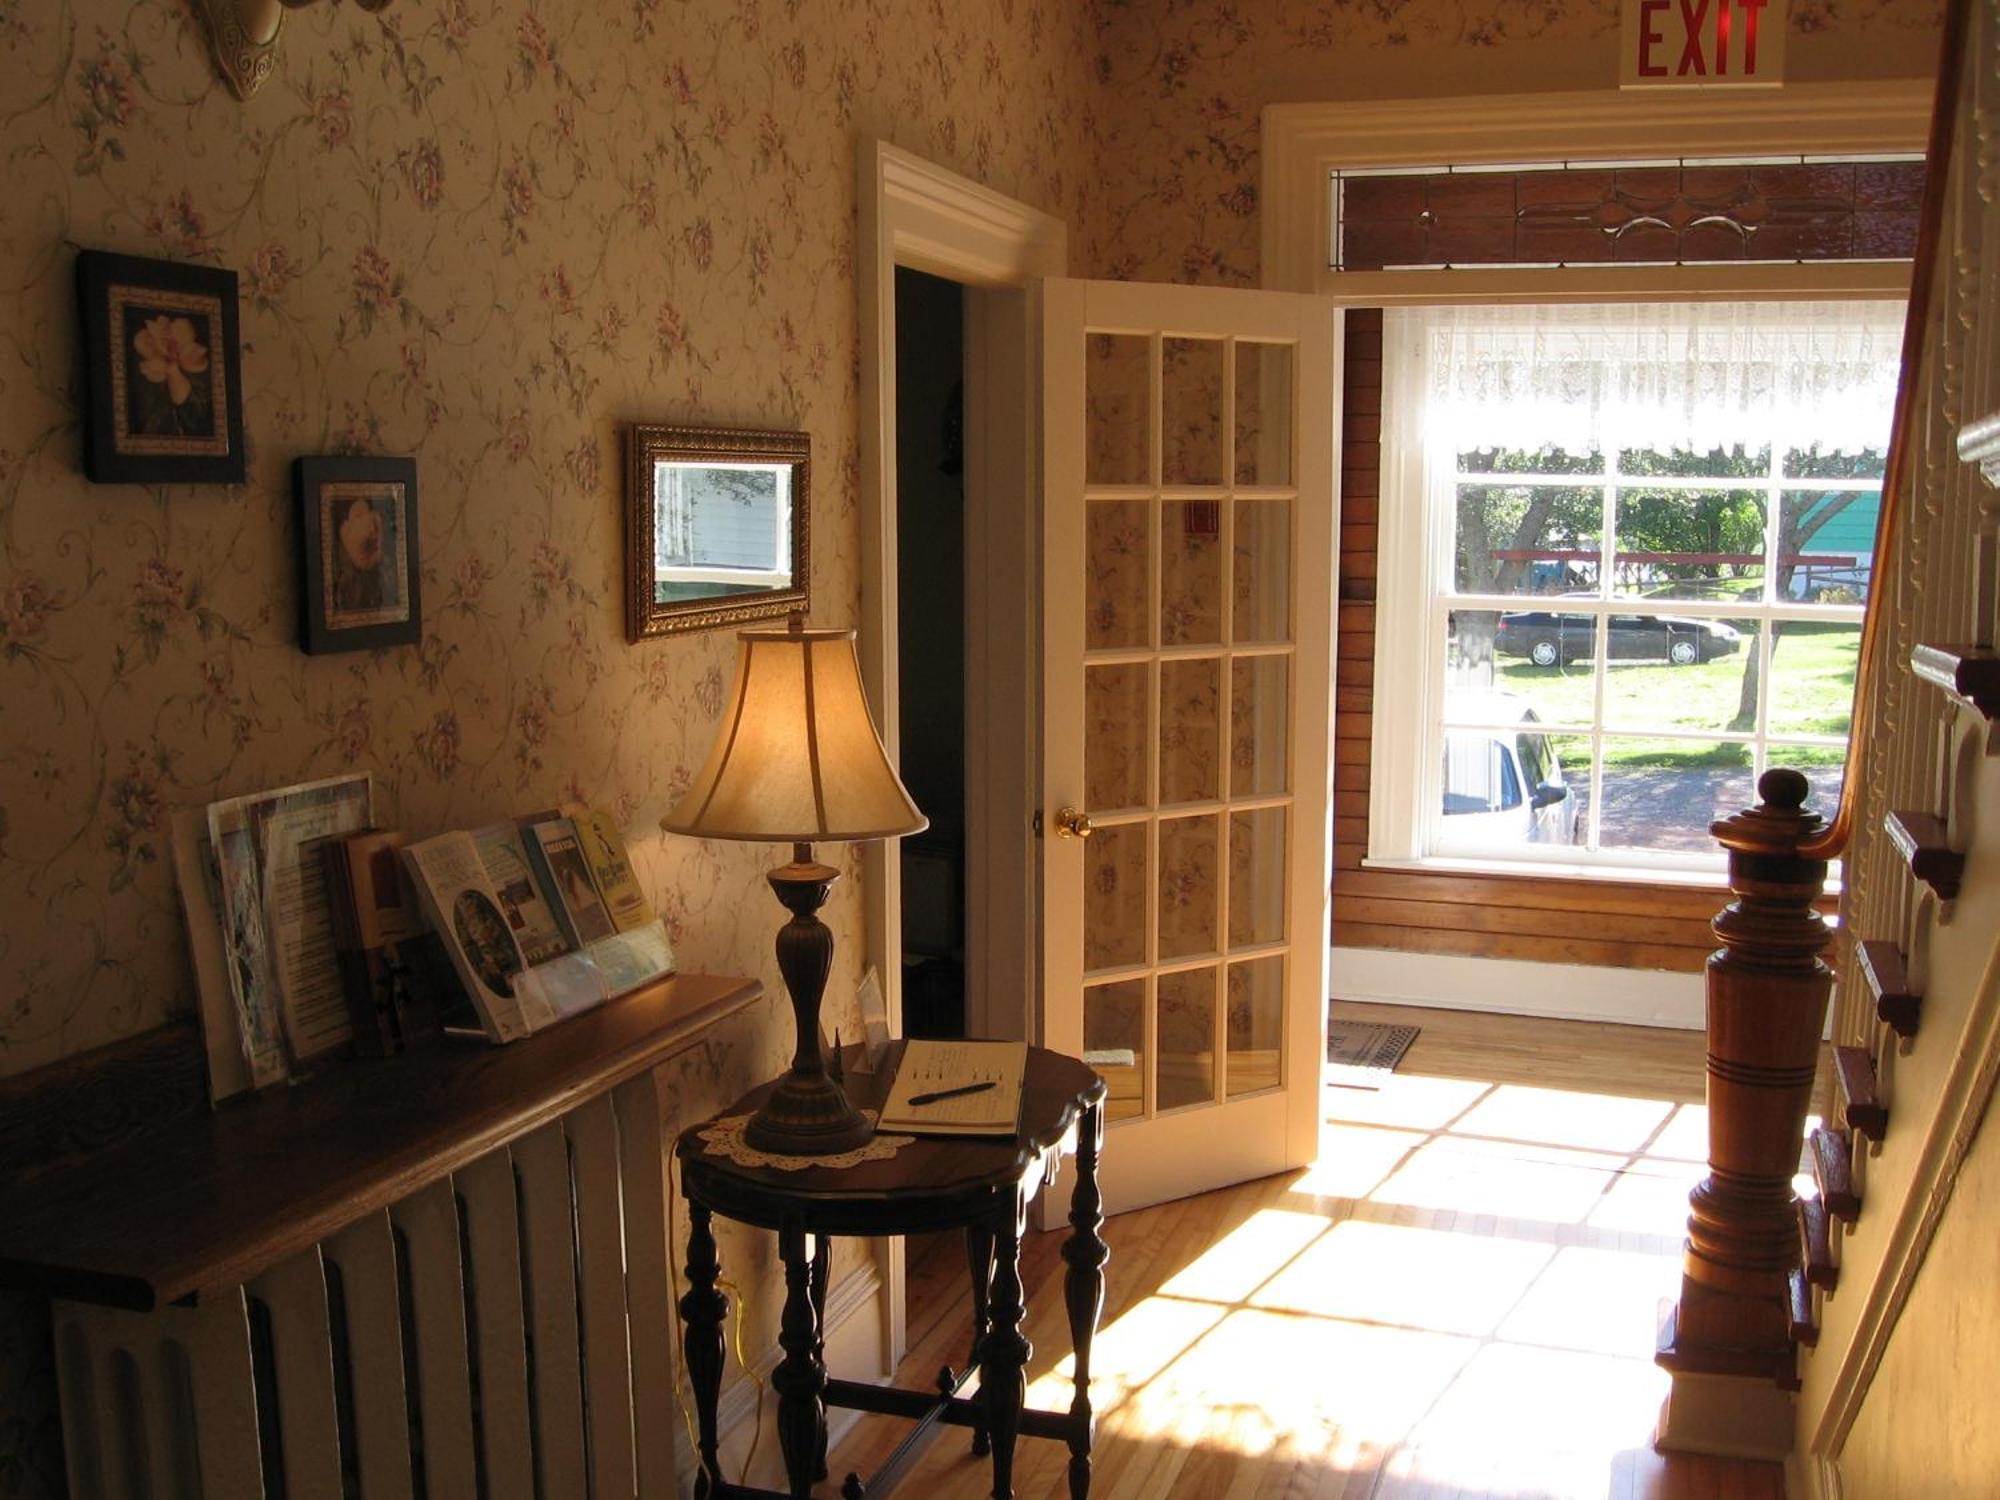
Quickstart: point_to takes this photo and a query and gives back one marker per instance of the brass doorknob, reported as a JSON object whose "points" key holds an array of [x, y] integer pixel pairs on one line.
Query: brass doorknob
{"points": [[1071, 824]]}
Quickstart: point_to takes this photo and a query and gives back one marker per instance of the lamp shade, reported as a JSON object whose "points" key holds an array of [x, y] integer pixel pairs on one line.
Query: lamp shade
{"points": [[797, 759]]}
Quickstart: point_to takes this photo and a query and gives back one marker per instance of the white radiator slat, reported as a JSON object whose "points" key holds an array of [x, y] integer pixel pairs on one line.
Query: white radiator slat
{"points": [[600, 1238], [365, 1256], [294, 1294], [548, 1253], [649, 1280], [428, 1219], [509, 1332], [225, 1396], [157, 1405], [492, 1230]]}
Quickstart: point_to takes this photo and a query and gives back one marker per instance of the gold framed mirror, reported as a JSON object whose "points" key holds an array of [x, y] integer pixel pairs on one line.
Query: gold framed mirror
{"points": [[716, 527]]}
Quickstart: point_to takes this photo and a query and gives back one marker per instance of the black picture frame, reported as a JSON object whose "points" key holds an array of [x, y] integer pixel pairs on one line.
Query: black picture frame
{"points": [[163, 371], [360, 584]]}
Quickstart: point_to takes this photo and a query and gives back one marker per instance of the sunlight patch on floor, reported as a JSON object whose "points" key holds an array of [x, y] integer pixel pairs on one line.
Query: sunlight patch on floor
{"points": [[1464, 1291]]}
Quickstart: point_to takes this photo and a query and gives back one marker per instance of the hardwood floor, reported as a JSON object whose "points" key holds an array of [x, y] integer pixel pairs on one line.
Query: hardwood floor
{"points": [[1458, 1301]]}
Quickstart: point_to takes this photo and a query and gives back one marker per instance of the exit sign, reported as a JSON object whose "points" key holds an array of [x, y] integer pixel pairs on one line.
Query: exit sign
{"points": [[1701, 43]]}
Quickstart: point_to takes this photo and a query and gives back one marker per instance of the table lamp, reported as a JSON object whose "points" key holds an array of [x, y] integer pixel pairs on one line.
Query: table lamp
{"points": [[797, 760]]}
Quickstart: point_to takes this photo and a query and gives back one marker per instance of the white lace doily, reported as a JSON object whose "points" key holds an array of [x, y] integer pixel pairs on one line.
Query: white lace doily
{"points": [[724, 1137]]}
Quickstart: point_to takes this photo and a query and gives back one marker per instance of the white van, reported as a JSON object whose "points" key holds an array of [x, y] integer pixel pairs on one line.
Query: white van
{"points": [[1504, 787]]}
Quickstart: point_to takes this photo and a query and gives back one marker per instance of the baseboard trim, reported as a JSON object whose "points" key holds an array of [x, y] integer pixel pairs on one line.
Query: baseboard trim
{"points": [[853, 1342], [1520, 987]]}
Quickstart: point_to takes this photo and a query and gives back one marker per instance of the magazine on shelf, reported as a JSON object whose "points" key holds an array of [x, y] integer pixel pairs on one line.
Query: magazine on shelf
{"points": [[558, 858], [287, 1000], [611, 867], [377, 927], [527, 904], [463, 909]]}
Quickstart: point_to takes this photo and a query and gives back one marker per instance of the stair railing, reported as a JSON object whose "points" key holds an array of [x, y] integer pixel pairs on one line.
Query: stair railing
{"points": [[1730, 1342]]}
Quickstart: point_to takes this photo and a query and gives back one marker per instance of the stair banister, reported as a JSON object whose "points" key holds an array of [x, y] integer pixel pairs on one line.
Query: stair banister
{"points": [[1728, 1343]]}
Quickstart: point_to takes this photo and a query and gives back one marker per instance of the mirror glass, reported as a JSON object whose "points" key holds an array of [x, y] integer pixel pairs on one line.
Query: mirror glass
{"points": [[717, 520], [720, 530]]}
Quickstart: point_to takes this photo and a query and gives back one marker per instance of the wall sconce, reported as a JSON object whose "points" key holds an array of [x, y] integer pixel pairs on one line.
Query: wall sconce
{"points": [[244, 34]]}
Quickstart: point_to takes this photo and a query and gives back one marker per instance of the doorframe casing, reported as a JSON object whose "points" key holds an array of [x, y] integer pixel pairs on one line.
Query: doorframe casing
{"points": [[912, 213]]}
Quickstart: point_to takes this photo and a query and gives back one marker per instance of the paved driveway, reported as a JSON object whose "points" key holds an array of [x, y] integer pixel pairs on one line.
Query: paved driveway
{"points": [[1662, 809]]}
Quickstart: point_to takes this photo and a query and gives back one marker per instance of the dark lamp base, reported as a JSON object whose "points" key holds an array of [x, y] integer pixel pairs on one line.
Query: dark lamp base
{"points": [[807, 1114]]}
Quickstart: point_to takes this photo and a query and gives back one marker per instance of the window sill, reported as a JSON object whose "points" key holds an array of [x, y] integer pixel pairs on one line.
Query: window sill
{"points": [[1512, 869]]}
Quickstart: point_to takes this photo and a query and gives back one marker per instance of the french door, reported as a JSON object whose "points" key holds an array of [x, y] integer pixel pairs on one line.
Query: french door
{"points": [[1188, 555]]}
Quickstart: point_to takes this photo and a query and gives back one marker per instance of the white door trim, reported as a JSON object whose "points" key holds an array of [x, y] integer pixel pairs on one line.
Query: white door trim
{"points": [[913, 213], [1303, 143]]}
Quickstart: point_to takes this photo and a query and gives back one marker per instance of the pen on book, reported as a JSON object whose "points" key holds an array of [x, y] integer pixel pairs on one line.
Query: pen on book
{"points": [[970, 1088]]}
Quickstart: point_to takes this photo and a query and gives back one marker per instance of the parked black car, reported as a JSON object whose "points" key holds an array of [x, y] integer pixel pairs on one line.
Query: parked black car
{"points": [[1547, 639]]}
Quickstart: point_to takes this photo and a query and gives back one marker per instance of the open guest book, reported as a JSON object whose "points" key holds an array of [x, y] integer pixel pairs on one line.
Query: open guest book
{"points": [[957, 1088]]}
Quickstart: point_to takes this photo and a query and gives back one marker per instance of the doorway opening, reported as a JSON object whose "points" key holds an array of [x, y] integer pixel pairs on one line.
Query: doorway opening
{"points": [[931, 627]]}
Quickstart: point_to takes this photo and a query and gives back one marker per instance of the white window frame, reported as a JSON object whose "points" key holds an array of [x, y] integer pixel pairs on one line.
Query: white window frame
{"points": [[1414, 597], [1304, 144]]}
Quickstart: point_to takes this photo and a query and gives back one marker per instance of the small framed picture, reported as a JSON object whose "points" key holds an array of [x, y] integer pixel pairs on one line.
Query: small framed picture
{"points": [[163, 370], [358, 576]]}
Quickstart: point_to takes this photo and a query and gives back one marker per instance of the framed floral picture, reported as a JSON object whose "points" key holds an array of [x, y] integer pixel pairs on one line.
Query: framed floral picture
{"points": [[163, 371], [359, 582]]}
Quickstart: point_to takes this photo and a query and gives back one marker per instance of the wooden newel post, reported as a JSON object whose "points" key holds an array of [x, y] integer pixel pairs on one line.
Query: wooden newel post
{"points": [[1727, 1343]]}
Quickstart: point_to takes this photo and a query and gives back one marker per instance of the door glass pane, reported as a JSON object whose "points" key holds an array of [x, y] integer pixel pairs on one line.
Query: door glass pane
{"points": [[1262, 588], [1114, 1043], [1188, 894], [1115, 574], [1191, 395], [1812, 677], [1259, 738], [1257, 877], [1114, 740], [1263, 413], [1256, 1025], [1114, 897], [1117, 409], [1187, 1038], [1191, 573], [1190, 730]]}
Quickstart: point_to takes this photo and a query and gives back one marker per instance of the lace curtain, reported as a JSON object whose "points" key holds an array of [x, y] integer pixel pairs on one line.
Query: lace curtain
{"points": [[1663, 376]]}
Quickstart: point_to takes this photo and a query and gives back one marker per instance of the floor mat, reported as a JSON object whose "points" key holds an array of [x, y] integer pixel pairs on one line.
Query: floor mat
{"points": [[1360, 1054]]}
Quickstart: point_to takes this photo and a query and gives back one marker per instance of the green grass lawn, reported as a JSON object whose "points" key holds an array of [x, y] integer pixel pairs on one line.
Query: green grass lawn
{"points": [[1812, 693]]}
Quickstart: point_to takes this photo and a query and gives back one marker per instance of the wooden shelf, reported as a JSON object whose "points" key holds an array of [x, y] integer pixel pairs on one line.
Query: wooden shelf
{"points": [[1898, 1006], [1920, 839], [1860, 1095], [210, 1199]]}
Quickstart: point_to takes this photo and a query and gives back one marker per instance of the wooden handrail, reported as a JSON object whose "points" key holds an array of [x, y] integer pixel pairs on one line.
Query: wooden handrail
{"points": [[1903, 431]]}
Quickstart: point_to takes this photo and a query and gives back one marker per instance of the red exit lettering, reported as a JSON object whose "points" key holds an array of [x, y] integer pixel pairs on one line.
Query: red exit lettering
{"points": [[1689, 40]]}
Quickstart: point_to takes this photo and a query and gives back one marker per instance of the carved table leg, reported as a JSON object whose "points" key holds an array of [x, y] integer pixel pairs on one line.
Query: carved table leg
{"points": [[1085, 1253], [702, 1312], [1003, 1353], [822, 1257], [800, 1378], [979, 1256]]}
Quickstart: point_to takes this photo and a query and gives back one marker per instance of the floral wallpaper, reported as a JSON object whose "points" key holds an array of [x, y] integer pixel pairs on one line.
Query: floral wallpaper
{"points": [[1184, 83], [485, 233]]}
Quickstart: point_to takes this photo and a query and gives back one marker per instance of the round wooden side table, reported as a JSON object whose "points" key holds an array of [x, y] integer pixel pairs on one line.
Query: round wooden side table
{"points": [[981, 1185]]}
